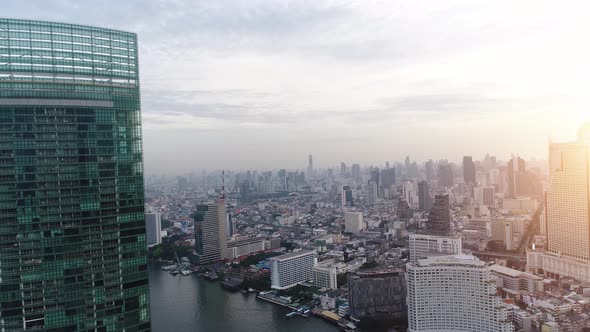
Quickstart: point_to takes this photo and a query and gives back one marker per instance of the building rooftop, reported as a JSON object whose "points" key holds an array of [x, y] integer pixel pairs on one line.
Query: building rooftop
{"points": [[512, 272], [451, 260], [292, 255]]}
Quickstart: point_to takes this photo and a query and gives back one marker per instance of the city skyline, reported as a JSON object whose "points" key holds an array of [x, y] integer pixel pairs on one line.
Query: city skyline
{"points": [[271, 74]]}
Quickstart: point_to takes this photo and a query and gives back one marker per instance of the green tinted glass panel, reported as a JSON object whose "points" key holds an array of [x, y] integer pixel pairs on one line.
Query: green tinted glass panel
{"points": [[72, 232]]}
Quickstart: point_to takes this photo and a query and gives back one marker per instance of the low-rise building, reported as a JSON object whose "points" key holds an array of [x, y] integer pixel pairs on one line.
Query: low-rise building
{"points": [[516, 281]]}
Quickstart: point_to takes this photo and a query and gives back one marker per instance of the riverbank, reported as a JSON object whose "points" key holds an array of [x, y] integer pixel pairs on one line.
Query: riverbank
{"points": [[191, 304]]}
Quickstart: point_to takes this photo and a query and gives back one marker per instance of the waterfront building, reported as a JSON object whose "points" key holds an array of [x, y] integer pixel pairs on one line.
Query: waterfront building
{"points": [[72, 225], [291, 269], [353, 222], [378, 295], [243, 247], [454, 293], [325, 276], [423, 245], [210, 231], [153, 223]]}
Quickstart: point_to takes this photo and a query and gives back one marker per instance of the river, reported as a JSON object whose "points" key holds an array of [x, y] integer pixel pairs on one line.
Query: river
{"points": [[192, 304]]}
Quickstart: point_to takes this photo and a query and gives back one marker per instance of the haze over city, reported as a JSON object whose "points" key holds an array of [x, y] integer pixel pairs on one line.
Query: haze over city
{"points": [[260, 84]]}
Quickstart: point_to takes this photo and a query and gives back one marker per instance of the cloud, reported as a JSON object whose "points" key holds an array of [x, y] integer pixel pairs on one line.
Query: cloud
{"points": [[346, 78]]}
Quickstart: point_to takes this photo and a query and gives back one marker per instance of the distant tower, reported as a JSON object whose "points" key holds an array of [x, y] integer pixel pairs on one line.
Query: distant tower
{"points": [[342, 169], [310, 166], [423, 196], [372, 192], [439, 220], [347, 196], [445, 175], [468, 170]]}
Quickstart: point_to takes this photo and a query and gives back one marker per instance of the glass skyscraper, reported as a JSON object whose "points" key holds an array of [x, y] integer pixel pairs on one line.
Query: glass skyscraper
{"points": [[72, 230]]}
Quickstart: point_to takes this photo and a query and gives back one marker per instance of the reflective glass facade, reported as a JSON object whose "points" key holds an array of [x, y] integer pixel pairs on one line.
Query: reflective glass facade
{"points": [[72, 230]]}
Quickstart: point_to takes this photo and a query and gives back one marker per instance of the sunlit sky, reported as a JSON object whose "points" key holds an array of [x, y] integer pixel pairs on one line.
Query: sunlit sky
{"points": [[260, 84]]}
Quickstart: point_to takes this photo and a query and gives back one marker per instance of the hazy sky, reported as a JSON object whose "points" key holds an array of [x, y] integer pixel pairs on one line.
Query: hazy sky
{"points": [[260, 84]]}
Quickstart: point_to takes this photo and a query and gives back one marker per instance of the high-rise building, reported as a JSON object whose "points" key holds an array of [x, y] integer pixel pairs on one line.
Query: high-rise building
{"points": [[347, 196], [439, 219], [424, 200], [291, 269], [372, 193], [468, 170], [485, 196], [379, 295], [310, 166], [520, 182], [153, 223], [353, 222], [429, 170], [342, 169], [423, 245], [503, 230], [230, 225], [388, 179], [454, 293], [567, 211], [445, 175], [72, 224], [375, 176], [210, 231], [356, 172]]}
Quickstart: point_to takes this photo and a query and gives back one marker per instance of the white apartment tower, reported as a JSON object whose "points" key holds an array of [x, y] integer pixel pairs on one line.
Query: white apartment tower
{"points": [[454, 294], [353, 222], [291, 269], [422, 245]]}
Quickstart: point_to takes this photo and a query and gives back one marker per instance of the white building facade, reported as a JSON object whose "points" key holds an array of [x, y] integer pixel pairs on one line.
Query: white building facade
{"points": [[453, 294], [291, 269], [325, 276], [422, 245], [353, 222]]}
